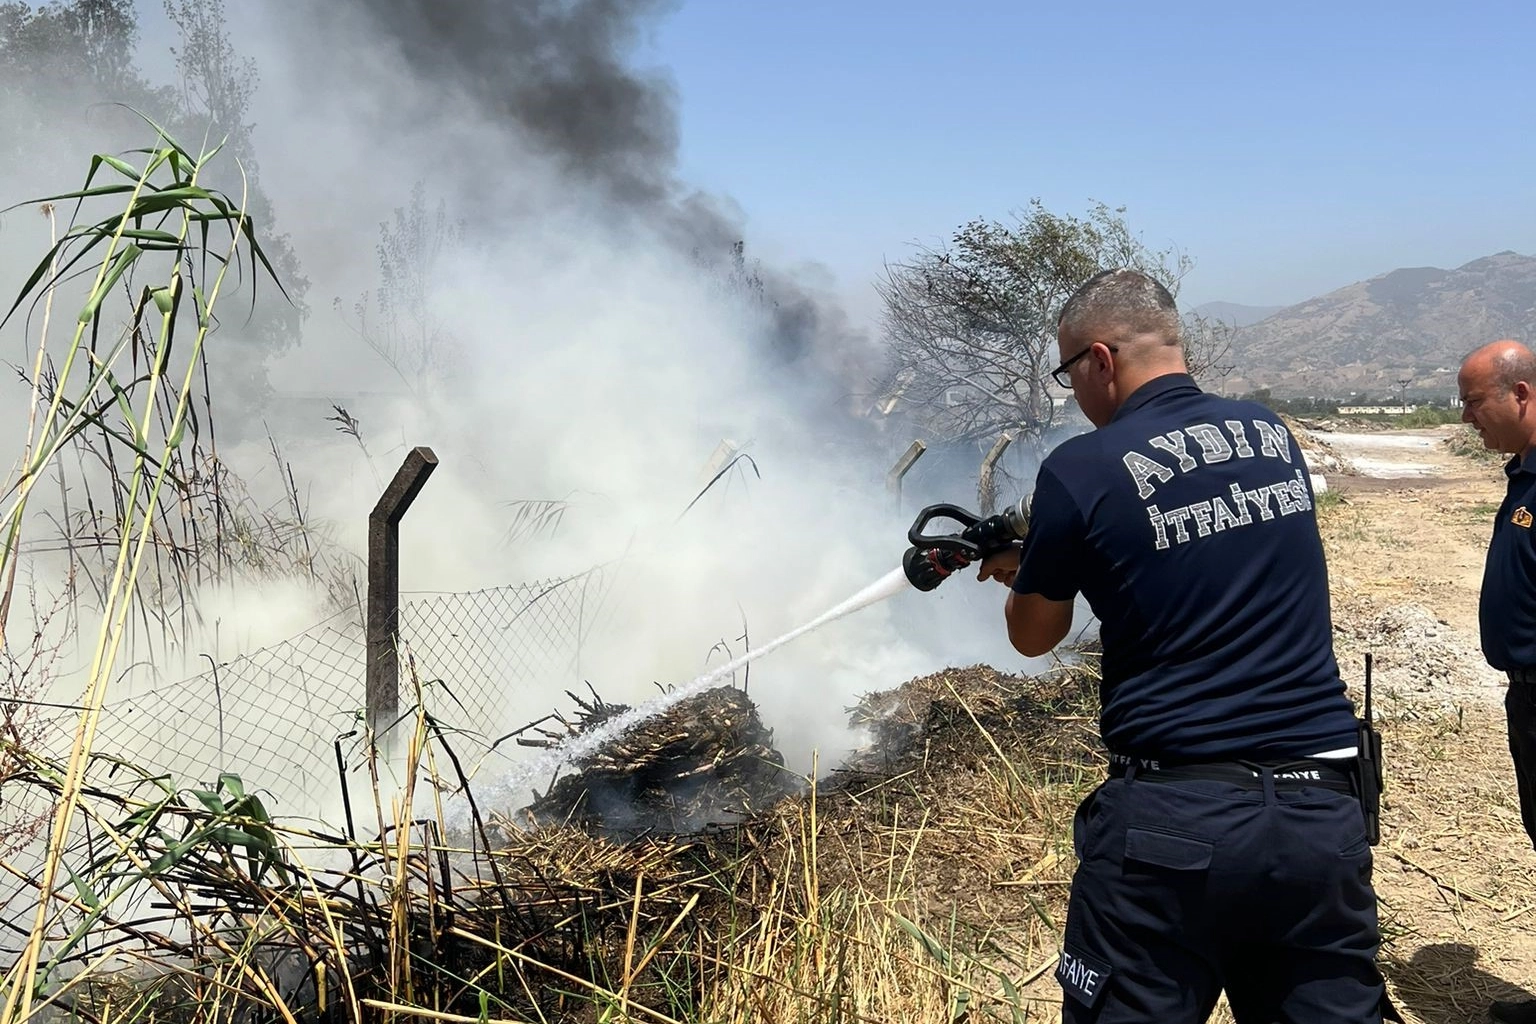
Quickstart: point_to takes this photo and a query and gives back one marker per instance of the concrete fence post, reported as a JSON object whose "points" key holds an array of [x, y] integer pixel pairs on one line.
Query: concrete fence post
{"points": [[382, 629], [986, 486], [901, 468]]}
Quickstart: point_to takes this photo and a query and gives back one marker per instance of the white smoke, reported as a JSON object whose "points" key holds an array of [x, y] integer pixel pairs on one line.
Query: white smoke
{"points": [[599, 364]]}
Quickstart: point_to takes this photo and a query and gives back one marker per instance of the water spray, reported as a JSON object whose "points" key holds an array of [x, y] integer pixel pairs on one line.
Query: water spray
{"points": [[928, 562], [577, 747]]}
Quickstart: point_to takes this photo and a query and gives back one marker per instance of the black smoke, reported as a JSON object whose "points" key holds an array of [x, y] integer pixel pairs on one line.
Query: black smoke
{"points": [[561, 74], [558, 71]]}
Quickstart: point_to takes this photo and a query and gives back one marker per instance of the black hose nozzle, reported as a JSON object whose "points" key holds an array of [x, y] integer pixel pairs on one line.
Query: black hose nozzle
{"points": [[926, 569], [933, 558]]}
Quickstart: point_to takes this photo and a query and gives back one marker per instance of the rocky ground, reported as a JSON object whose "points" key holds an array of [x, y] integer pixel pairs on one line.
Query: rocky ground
{"points": [[1406, 526]]}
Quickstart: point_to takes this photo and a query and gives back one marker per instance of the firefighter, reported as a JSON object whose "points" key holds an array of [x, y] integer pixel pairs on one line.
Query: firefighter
{"points": [[1227, 850]]}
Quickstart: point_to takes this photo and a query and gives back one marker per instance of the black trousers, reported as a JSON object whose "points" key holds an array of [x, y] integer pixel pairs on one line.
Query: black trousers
{"points": [[1520, 709], [1187, 888]]}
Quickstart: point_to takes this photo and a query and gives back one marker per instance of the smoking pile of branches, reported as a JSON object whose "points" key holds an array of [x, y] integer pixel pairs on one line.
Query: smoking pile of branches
{"points": [[704, 762]]}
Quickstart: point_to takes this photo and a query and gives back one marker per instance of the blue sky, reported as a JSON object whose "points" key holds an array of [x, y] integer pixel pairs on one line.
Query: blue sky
{"points": [[1290, 147]]}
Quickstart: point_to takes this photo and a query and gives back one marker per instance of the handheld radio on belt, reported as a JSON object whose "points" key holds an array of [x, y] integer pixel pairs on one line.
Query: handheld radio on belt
{"points": [[1368, 771]]}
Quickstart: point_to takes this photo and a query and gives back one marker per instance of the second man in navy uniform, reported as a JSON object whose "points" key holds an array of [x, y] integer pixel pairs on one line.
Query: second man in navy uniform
{"points": [[1498, 393], [1226, 851]]}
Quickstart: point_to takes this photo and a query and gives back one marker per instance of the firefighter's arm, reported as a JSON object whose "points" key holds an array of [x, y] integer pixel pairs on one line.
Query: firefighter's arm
{"points": [[1047, 574], [1036, 624]]}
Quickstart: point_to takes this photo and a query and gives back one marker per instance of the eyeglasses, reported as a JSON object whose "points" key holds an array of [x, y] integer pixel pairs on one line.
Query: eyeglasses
{"points": [[1064, 378]]}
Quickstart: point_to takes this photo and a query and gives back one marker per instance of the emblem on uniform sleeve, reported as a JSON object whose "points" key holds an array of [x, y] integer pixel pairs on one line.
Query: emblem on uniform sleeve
{"points": [[1522, 517]]}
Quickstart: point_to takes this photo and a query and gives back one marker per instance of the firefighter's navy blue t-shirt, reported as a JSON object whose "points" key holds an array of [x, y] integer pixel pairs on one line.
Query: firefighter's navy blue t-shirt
{"points": [[1506, 608], [1187, 523]]}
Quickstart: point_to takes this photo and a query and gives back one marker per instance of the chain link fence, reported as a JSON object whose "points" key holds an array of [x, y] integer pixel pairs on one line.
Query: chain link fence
{"points": [[275, 716], [476, 647]]}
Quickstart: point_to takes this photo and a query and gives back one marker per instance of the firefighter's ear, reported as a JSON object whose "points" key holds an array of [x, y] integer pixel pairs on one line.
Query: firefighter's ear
{"points": [[1104, 359]]}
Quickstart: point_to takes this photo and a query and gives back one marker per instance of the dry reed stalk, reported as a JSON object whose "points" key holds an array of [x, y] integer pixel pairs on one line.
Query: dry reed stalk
{"points": [[19, 988], [148, 472]]}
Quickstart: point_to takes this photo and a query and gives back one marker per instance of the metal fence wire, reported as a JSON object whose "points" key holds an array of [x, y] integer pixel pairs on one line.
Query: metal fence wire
{"points": [[274, 716], [476, 646]]}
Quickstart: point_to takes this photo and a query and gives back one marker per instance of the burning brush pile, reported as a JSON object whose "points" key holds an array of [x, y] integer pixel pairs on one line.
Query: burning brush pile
{"points": [[623, 902], [707, 761]]}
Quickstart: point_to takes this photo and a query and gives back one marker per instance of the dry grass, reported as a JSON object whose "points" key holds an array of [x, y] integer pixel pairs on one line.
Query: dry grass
{"points": [[925, 878], [1453, 868], [924, 881], [1465, 443]]}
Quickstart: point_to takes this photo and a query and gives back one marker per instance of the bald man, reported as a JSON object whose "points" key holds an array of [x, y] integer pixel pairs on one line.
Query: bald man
{"points": [[1496, 395], [1228, 848]]}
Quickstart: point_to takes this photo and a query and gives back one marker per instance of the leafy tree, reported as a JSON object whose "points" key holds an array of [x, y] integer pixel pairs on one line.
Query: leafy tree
{"points": [[92, 39], [68, 57], [971, 326]]}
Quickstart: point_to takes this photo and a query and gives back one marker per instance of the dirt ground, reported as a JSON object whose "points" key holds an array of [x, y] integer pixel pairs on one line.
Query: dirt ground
{"points": [[1406, 541]]}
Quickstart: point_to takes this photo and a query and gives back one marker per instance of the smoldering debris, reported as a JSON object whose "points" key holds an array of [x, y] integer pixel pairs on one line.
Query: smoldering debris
{"points": [[955, 715], [705, 762]]}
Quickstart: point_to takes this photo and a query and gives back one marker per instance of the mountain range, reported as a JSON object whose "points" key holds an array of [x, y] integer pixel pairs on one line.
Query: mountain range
{"points": [[1235, 313], [1412, 324]]}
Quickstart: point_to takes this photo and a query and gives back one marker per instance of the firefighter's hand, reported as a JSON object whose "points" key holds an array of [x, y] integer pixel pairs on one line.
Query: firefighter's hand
{"points": [[1002, 566]]}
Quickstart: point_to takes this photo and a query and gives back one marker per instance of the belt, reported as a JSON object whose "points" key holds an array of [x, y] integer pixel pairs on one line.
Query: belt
{"points": [[1522, 676], [1295, 773]]}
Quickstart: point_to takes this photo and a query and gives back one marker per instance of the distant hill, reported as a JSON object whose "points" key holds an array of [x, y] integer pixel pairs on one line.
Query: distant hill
{"points": [[1412, 324], [1235, 313]]}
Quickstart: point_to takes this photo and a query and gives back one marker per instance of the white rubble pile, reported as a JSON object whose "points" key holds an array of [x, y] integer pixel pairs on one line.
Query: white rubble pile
{"points": [[1322, 461], [1414, 654]]}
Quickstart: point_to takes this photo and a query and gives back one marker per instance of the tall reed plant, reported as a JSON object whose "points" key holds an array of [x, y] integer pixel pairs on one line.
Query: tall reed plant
{"points": [[157, 265]]}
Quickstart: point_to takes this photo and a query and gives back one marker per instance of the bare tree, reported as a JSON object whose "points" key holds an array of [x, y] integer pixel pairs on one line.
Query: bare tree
{"points": [[971, 326], [398, 320], [1208, 346]]}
